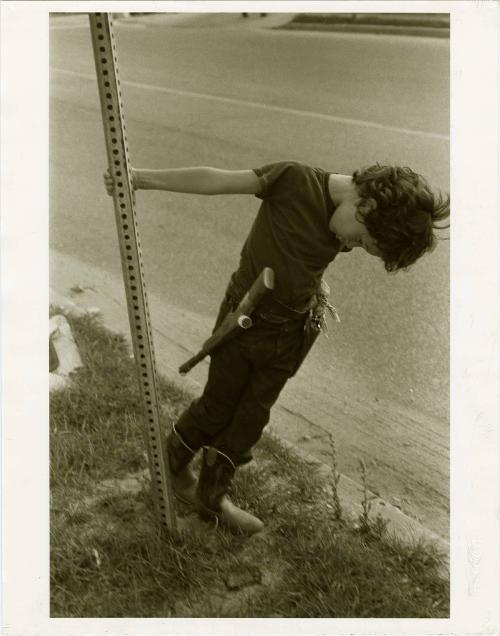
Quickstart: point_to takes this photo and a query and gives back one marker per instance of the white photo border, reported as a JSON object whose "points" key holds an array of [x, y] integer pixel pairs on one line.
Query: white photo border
{"points": [[475, 317]]}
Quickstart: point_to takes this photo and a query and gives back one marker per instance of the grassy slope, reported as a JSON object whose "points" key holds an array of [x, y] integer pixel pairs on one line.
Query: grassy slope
{"points": [[110, 559]]}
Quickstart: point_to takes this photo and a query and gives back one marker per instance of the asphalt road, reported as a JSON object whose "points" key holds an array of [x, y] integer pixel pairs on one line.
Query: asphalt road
{"points": [[238, 98]]}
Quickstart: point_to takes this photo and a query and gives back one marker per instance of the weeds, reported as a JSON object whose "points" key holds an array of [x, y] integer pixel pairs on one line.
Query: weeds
{"points": [[366, 504], [377, 527], [335, 478]]}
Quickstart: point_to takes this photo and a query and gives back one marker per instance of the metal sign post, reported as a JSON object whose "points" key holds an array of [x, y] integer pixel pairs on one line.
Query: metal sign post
{"points": [[131, 256]]}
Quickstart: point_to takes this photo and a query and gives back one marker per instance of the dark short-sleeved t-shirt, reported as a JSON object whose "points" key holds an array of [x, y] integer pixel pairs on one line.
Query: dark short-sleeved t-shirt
{"points": [[290, 233]]}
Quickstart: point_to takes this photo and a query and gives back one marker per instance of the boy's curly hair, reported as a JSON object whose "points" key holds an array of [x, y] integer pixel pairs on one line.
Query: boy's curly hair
{"points": [[405, 216]]}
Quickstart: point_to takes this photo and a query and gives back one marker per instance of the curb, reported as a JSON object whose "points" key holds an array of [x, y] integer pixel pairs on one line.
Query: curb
{"points": [[65, 350], [350, 492], [376, 29], [401, 526]]}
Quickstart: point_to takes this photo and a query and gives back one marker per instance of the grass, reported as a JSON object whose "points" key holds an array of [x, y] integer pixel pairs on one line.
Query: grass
{"points": [[109, 557]]}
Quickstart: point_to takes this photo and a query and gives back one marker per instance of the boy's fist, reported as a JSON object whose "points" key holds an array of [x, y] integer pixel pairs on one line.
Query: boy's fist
{"points": [[109, 183]]}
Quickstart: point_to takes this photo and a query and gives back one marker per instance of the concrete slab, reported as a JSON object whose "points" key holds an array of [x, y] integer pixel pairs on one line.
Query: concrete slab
{"points": [[66, 350]]}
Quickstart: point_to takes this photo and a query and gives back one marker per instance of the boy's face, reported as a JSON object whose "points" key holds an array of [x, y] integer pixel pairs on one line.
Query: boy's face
{"points": [[350, 230]]}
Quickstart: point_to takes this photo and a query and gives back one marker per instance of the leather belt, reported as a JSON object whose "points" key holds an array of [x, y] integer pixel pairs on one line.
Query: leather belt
{"points": [[269, 308], [273, 310]]}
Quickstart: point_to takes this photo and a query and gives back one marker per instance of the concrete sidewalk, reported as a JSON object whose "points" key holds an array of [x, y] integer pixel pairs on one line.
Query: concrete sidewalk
{"points": [[178, 335]]}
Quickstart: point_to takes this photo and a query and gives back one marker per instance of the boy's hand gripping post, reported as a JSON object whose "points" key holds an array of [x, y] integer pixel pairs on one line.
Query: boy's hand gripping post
{"points": [[234, 320]]}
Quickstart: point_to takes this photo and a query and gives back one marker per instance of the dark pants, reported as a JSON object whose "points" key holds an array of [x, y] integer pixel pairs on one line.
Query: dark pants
{"points": [[245, 378]]}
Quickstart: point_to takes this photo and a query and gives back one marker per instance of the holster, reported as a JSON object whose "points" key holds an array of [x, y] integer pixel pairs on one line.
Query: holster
{"points": [[310, 335]]}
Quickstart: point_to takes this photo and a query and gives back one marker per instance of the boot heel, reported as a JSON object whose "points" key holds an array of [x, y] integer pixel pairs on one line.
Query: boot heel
{"points": [[205, 513]]}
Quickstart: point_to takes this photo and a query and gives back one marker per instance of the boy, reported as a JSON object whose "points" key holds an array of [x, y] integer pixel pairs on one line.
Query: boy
{"points": [[306, 217]]}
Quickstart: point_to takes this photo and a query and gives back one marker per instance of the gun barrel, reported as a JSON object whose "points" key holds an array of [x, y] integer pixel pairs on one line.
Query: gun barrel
{"points": [[245, 322]]}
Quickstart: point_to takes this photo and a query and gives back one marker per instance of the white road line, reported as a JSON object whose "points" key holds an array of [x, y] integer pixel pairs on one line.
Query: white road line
{"points": [[277, 109]]}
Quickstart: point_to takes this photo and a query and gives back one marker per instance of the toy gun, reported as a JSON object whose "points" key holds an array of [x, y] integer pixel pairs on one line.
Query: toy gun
{"points": [[234, 320]]}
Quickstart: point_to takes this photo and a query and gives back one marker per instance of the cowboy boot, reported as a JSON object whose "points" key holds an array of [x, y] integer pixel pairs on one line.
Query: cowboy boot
{"points": [[182, 477], [216, 474]]}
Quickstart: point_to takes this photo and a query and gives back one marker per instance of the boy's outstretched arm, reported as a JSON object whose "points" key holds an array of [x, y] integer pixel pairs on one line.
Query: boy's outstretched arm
{"points": [[199, 180]]}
